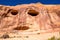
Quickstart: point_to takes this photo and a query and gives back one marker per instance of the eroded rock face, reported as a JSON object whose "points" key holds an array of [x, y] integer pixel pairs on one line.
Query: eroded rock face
{"points": [[30, 17]]}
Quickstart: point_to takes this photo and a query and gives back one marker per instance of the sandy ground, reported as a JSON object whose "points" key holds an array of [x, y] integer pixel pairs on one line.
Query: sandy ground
{"points": [[44, 36]]}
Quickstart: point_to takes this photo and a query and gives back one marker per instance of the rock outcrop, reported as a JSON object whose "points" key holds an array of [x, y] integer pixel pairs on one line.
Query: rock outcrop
{"points": [[29, 19]]}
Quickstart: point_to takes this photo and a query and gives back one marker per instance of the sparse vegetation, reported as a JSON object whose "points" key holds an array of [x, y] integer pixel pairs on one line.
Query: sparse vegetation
{"points": [[54, 38]]}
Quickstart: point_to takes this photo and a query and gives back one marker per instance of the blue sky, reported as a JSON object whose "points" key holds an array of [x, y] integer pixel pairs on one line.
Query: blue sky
{"points": [[15, 2]]}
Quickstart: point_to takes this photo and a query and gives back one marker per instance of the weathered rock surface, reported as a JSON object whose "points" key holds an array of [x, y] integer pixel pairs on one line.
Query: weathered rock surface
{"points": [[29, 19]]}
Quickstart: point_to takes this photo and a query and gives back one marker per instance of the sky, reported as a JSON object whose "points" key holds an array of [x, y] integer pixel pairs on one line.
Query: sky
{"points": [[16, 2]]}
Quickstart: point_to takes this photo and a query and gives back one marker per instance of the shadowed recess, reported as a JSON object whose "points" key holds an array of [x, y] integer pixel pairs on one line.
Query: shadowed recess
{"points": [[33, 12], [21, 28]]}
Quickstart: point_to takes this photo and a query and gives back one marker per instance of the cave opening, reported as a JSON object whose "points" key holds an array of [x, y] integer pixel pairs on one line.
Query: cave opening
{"points": [[33, 12]]}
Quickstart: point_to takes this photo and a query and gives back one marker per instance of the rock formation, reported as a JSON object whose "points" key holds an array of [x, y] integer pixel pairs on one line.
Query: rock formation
{"points": [[29, 19]]}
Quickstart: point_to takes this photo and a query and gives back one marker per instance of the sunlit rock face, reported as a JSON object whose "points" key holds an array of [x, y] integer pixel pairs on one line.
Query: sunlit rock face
{"points": [[29, 18]]}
